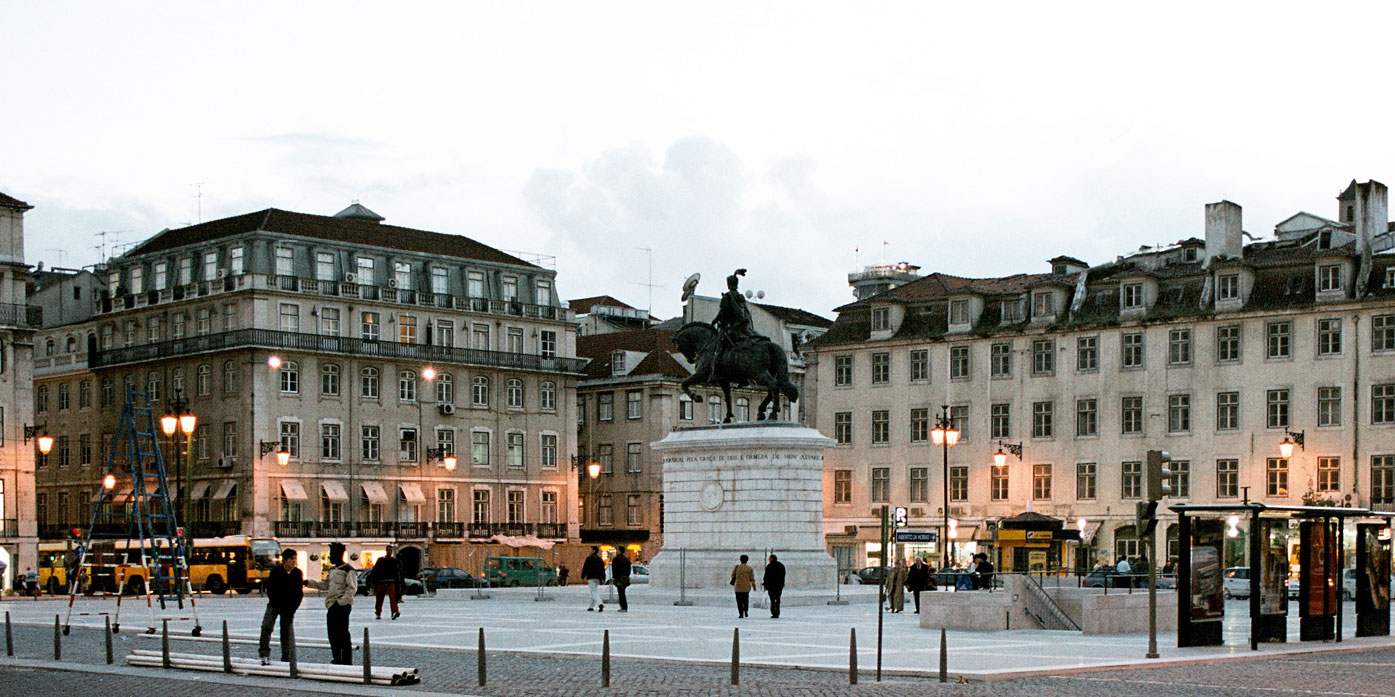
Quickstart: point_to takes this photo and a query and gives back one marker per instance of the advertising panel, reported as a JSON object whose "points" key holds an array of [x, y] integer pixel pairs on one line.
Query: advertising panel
{"points": [[1319, 588], [1207, 589], [1273, 572], [1372, 579]]}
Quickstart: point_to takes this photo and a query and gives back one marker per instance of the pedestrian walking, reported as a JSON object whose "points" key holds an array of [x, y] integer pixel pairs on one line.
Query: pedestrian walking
{"points": [[620, 576], [31, 582], [774, 581], [917, 579], [983, 572], [387, 578], [283, 595], [1125, 571], [562, 574], [743, 578], [593, 573], [896, 587], [3, 578], [339, 600]]}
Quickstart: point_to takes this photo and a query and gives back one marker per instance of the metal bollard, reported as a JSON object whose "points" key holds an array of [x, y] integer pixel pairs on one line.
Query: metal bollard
{"points": [[944, 657], [736, 655], [58, 640], [683, 579], [111, 656], [367, 659], [480, 656], [605, 660], [295, 670], [165, 643], [9, 636], [227, 649], [852, 657]]}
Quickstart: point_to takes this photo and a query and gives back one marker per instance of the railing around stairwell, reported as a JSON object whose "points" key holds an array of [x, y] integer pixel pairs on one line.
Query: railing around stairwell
{"points": [[1042, 608]]}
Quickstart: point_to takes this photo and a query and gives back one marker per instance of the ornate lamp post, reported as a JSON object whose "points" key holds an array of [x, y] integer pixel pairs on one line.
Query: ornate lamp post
{"points": [[180, 420], [593, 470], [1290, 439], [946, 436]]}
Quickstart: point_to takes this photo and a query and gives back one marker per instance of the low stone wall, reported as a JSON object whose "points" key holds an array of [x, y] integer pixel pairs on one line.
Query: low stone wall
{"points": [[978, 610], [1126, 613], [1119, 612]]}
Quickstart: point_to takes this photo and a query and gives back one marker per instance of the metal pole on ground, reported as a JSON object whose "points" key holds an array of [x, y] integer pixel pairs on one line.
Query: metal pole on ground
{"points": [[1152, 601], [852, 657], [58, 640], [683, 579], [881, 595], [605, 660], [106, 632], [944, 656], [479, 657], [736, 655], [9, 636], [227, 649], [165, 643], [367, 659], [295, 668]]}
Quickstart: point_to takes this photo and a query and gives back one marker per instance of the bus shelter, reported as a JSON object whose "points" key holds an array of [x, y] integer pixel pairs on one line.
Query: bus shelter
{"points": [[1202, 533]]}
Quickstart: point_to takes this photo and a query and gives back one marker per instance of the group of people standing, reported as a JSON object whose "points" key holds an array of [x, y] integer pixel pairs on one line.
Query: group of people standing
{"points": [[593, 573], [917, 577], [743, 581]]}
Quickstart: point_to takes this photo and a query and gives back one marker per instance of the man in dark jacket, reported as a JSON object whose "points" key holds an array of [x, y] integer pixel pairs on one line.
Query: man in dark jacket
{"points": [[593, 573], [283, 596], [917, 580], [387, 578], [774, 582], [620, 576]]}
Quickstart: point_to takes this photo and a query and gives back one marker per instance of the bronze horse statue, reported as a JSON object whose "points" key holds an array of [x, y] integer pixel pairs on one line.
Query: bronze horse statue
{"points": [[756, 362]]}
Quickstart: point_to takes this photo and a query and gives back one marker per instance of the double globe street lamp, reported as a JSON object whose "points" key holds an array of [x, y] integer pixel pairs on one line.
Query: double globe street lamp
{"points": [[180, 420], [946, 436]]}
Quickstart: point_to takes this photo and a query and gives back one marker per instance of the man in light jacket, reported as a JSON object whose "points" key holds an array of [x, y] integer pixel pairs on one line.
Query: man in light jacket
{"points": [[339, 599]]}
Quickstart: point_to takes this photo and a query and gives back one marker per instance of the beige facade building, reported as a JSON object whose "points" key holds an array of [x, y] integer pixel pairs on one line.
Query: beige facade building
{"points": [[1211, 349], [18, 322], [369, 352]]}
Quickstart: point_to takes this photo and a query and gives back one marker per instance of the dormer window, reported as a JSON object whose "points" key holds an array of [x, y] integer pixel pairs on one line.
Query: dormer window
{"points": [[1058, 269], [1324, 240], [617, 363], [1295, 285], [1329, 277], [1012, 310], [881, 319], [959, 312], [1228, 287], [1389, 278], [1133, 296], [1043, 304], [1190, 254]]}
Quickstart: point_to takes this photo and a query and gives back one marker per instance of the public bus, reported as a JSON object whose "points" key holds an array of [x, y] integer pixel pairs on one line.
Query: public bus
{"points": [[217, 564], [55, 558]]}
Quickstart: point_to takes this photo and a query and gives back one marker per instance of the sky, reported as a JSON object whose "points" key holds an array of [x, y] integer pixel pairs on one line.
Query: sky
{"points": [[636, 143]]}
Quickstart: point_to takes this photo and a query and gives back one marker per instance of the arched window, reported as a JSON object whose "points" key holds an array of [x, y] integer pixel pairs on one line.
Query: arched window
{"points": [[152, 387], [48, 347], [515, 393], [714, 409], [290, 377], [407, 386], [329, 380], [1125, 543], [368, 383], [445, 389], [547, 396], [72, 344], [743, 409], [229, 377], [479, 391]]}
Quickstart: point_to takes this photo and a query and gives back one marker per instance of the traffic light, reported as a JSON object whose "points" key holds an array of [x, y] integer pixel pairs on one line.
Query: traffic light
{"points": [[1157, 476], [1145, 518], [900, 517]]}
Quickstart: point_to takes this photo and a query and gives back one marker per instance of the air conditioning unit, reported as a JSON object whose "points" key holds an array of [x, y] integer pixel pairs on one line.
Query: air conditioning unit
{"points": [[222, 273], [350, 278], [849, 529], [392, 283], [227, 462], [918, 512], [447, 408]]}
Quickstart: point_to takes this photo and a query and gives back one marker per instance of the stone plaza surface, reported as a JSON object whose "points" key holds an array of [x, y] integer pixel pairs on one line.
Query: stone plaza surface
{"points": [[810, 634]]}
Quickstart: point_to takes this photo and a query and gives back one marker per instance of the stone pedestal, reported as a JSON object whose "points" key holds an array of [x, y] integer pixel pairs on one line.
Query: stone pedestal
{"points": [[748, 488]]}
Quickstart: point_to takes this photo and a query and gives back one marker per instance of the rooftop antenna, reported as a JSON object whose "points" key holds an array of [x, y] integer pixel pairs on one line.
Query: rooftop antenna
{"points": [[116, 238], [61, 254], [199, 195], [649, 309], [884, 244]]}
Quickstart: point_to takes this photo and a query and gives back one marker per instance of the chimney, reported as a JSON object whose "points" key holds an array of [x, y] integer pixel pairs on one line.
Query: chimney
{"points": [[1372, 213], [1222, 230]]}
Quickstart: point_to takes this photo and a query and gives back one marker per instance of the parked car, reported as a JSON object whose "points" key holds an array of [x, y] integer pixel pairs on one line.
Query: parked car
{"points": [[1106, 576], [449, 577], [518, 571], [639, 573], [1237, 582], [869, 575], [1349, 584], [410, 586]]}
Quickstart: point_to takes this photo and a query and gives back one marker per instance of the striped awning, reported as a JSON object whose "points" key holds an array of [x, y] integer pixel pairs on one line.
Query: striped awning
{"points": [[412, 492], [334, 491], [292, 490], [375, 492]]}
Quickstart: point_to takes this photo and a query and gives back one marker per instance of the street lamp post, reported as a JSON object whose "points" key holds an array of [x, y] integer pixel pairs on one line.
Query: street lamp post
{"points": [[946, 436], [180, 420], [593, 470]]}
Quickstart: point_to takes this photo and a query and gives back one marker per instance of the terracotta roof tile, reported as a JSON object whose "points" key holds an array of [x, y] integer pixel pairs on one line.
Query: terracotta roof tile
{"points": [[584, 305]]}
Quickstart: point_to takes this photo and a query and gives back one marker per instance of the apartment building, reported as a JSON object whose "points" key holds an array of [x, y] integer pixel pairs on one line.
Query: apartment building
{"points": [[422, 384], [18, 323], [1212, 349]]}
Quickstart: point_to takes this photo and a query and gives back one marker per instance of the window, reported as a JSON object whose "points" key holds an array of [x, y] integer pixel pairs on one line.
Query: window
{"points": [[959, 483], [329, 441], [290, 438], [85, 449], [959, 365], [407, 386], [108, 392], [1000, 360], [1042, 419], [1179, 347], [152, 333], [1329, 337], [290, 377], [881, 427], [137, 281], [445, 389], [920, 365], [881, 368], [510, 288], [1278, 340], [548, 512], [513, 448], [1329, 474], [548, 450], [1228, 343], [842, 427], [1329, 277], [1041, 482], [1329, 411], [605, 406], [685, 408], [402, 274], [329, 321], [1043, 304], [479, 509], [959, 421], [1227, 411], [64, 453], [1277, 402], [474, 285], [1087, 354], [407, 445], [1389, 277], [1383, 333], [178, 326], [1227, 478], [85, 394], [547, 397], [161, 275], [290, 317], [881, 485], [445, 505], [440, 281], [64, 399], [370, 326], [513, 393], [479, 391], [324, 266], [714, 409], [959, 312], [1043, 356], [445, 441], [329, 380], [632, 510], [1179, 413], [1000, 420], [998, 483], [842, 486], [368, 382], [1132, 295], [743, 409], [1131, 480], [1087, 418], [633, 404], [919, 485], [1276, 479], [479, 448], [1383, 404], [1228, 287], [842, 371], [542, 292], [1131, 415], [605, 515], [1382, 479], [547, 343], [185, 274], [515, 340], [1181, 479], [406, 329], [1131, 346], [285, 263], [881, 319], [920, 425], [1086, 479], [634, 459]]}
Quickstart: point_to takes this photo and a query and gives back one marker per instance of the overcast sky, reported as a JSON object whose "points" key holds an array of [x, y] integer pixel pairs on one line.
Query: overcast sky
{"points": [[799, 140]]}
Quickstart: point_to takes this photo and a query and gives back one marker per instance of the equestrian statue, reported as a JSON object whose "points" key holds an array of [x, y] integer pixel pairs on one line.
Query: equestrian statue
{"points": [[729, 352]]}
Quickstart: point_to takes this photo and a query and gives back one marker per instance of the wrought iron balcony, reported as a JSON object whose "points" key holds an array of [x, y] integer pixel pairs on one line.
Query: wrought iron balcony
{"points": [[406, 530], [343, 345], [12, 315]]}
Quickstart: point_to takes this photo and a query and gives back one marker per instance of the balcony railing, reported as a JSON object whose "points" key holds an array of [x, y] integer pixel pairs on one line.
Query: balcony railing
{"points": [[12, 315], [293, 341], [9, 527], [403, 530]]}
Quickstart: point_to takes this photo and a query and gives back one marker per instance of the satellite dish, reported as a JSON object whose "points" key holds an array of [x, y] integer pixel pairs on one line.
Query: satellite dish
{"points": [[690, 285], [750, 295], [760, 295]]}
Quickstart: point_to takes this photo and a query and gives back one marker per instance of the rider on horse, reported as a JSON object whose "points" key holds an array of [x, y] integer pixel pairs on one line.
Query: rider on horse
{"points": [[733, 325]]}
